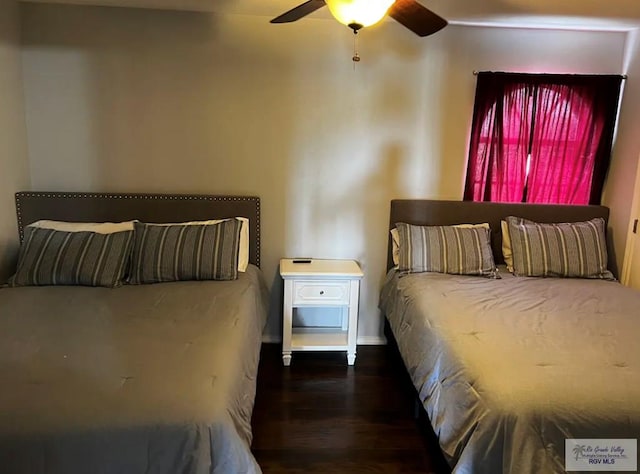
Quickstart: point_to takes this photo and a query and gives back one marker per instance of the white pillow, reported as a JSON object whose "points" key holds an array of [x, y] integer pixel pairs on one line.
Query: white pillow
{"points": [[395, 239], [507, 253], [243, 251], [395, 246], [97, 227]]}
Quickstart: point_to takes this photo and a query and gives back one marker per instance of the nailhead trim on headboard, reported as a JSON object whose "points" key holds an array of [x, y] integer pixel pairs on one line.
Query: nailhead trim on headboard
{"points": [[162, 197]]}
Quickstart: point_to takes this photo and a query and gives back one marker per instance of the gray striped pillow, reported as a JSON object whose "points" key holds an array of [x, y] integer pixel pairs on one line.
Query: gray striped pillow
{"points": [[53, 257], [446, 249], [574, 250], [185, 252]]}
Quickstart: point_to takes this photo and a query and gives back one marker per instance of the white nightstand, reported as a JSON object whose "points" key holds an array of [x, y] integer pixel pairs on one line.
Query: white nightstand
{"points": [[320, 283]]}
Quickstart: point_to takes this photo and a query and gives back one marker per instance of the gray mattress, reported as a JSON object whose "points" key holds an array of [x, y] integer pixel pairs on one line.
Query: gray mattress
{"points": [[139, 379], [508, 369]]}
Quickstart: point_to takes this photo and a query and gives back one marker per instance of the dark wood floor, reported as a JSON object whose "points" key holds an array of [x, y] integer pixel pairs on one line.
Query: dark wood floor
{"points": [[320, 416]]}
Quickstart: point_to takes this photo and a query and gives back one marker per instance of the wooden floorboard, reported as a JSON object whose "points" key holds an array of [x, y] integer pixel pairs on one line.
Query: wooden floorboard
{"points": [[321, 416]]}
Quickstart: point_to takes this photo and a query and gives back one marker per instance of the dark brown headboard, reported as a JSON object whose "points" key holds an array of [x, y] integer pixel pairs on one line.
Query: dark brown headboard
{"points": [[161, 208], [429, 212]]}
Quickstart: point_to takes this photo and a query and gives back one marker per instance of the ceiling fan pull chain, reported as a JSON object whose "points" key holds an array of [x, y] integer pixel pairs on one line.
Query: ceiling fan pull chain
{"points": [[356, 56]]}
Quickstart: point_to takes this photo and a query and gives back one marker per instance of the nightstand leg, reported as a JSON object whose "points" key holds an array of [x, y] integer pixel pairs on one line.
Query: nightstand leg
{"points": [[352, 334], [287, 322]]}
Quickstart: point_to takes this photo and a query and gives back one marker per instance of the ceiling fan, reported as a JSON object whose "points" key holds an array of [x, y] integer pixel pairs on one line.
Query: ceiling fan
{"points": [[357, 14]]}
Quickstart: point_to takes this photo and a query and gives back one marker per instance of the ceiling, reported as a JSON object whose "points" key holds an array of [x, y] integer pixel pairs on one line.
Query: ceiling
{"points": [[565, 14]]}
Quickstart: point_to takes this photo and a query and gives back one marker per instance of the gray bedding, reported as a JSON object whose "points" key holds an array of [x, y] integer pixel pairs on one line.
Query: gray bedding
{"points": [[508, 369], [139, 379]]}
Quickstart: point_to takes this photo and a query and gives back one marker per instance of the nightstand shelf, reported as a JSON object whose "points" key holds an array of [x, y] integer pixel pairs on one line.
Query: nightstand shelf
{"points": [[319, 339], [328, 284]]}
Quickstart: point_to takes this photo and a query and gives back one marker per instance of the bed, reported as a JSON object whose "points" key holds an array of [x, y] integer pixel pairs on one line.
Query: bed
{"points": [[507, 369], [148, 378]]}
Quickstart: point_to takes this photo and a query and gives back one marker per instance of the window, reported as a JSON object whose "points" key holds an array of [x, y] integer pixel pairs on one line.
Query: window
{"points": [[541, 138]]}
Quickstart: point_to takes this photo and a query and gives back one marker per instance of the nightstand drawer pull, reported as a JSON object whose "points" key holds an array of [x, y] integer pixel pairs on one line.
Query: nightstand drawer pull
{"points": [[321, 292]]}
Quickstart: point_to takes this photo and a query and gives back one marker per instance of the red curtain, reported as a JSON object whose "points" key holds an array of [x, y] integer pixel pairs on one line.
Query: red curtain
{"points": [[499, 140], [564, 122]]}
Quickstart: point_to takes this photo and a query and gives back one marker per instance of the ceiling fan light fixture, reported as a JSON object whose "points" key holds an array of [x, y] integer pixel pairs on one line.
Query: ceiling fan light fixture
{"points": [[359, 12]]}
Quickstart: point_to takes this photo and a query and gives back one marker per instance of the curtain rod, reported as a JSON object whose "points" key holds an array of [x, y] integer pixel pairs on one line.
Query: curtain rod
{"points": [[623, 76]]}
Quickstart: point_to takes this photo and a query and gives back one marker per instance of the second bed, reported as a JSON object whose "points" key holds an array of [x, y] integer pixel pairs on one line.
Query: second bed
{"points": [[508, 369]]}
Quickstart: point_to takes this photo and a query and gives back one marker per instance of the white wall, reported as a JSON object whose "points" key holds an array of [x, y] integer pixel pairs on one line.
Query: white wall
{"points": [[631, 271], [14, 169], [135, 100], [618, 192]]}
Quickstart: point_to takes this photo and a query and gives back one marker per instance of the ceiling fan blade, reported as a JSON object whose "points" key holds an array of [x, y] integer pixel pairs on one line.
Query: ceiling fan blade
{"points": [[417, 18], [300, 11]]}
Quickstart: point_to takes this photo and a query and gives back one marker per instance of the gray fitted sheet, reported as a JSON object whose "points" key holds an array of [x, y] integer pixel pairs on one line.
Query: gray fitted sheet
{"points": [[139, 379], [508, 369]]}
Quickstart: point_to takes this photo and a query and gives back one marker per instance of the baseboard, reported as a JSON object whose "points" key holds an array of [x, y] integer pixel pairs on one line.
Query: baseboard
{"points": [[362, 341]]}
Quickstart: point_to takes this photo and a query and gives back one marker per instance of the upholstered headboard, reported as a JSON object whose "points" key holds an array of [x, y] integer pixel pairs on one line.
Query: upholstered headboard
{"points": [[160, 208], [430, 212]]}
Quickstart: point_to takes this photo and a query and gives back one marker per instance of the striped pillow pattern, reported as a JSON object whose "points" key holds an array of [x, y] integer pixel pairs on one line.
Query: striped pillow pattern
{"points": [[446, 249], [53, 257], [573, 250], [178, 252]]}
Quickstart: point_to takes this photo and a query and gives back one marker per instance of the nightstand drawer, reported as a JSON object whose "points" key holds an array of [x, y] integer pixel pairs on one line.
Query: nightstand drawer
{"points": [[321, 292]]}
